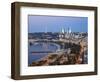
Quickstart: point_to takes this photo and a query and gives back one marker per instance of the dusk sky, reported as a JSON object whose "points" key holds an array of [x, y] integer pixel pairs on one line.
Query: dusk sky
{"points": [[56, 23]]}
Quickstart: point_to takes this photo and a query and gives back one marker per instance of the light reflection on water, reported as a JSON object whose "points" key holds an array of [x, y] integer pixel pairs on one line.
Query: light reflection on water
{"points": [[40, 46]]}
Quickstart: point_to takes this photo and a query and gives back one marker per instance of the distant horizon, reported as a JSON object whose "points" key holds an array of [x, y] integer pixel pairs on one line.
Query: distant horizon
{"points": [[55, 32], [53, 24]]}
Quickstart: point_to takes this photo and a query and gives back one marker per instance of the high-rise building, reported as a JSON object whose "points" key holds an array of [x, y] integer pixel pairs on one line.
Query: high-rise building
{"points": [[65, 34], [70, 30], [63, 30]]}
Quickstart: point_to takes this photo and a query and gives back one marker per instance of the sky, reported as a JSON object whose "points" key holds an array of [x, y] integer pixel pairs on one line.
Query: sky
{"points": [[42, 23]]}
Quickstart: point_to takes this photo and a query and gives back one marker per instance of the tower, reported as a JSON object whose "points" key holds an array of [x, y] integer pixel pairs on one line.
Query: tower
{"points": [[62, 31], [68, 33], [69, 30]]}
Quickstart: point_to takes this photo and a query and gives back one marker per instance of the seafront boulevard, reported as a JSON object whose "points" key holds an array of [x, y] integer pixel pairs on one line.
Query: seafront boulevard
{"points": [[72, 51]]}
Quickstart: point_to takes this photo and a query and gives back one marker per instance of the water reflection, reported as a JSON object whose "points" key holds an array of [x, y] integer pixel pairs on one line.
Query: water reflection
{"points": [[39, 47]]}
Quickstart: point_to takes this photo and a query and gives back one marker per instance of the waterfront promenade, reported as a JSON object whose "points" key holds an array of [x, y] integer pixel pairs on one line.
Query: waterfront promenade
{"points": [[72, 55]]}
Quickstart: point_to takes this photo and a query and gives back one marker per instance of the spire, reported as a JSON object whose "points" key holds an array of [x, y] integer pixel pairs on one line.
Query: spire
{"points": [[63, 31], [69, 30]]}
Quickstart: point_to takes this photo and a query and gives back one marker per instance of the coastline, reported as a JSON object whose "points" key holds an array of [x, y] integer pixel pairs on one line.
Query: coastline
{"points": [[58, 58]]}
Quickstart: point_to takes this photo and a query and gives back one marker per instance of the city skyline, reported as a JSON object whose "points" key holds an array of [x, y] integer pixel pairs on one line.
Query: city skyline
{"points": [[56, 23]]}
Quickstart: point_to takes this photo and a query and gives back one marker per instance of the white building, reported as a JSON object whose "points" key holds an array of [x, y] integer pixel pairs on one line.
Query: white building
{"points": [[68, 34], [64, 34]]}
